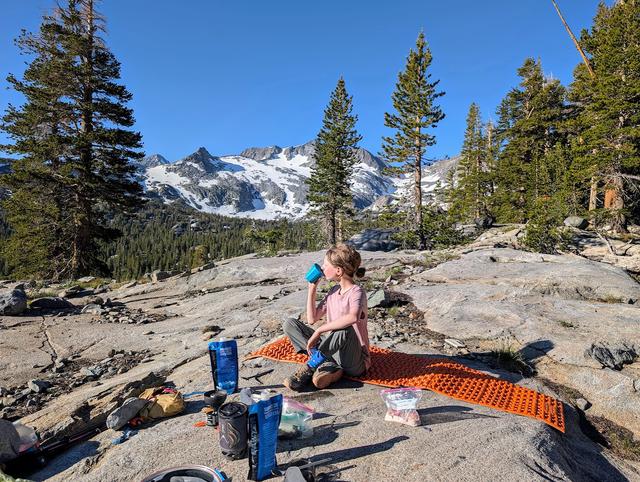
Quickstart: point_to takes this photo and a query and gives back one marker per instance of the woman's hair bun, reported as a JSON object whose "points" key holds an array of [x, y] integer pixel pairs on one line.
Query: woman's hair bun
{"points": [[360, 272]]}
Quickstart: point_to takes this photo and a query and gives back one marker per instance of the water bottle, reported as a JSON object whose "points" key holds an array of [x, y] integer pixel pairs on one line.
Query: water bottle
{"points": [[223, 355]]}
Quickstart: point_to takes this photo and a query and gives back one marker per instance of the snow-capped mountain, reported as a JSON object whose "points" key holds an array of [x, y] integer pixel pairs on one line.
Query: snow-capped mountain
{"points": [[434, 176], [260, 182]]}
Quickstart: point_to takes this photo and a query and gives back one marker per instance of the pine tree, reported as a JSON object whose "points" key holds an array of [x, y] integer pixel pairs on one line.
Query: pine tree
{"points": [[73, 141], [530, 123], [469, 194], [414, 103], [608, 144], [335, 155]]}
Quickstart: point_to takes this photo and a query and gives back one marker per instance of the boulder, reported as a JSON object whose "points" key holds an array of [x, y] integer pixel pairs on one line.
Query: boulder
{"points": [[613, 355], [9, 442], [92, 308], [484, 222], [13, 302], [86, 279], [39, 386], [70, 292], [576, 222], [377, 298], [159, 275], [51, 303], [374, 240], [96, 300]]}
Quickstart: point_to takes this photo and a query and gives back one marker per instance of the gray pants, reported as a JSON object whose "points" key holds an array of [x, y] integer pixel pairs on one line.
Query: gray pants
{"points": [[340, 346]]}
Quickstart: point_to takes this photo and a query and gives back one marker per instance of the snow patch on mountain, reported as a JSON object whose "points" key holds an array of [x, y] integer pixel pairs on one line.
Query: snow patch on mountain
{"points": [[262, 182]]}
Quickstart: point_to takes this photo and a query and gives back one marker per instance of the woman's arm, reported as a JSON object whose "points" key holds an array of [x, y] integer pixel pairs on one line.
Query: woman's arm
{"points": [[342, 322], [314, 313]]}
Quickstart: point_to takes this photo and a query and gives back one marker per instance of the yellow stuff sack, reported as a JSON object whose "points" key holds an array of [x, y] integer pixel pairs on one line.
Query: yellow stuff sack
{"points": [[163, 404]]}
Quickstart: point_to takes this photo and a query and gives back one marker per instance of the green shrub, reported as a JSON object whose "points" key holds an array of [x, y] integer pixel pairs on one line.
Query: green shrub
{"points": [[544, 233]]}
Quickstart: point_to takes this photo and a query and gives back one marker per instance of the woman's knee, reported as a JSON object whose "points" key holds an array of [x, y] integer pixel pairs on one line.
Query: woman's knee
{"points": [[289, 324]]}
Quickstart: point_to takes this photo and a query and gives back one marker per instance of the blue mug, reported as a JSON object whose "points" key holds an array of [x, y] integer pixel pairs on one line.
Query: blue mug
{"points": [[314, 273]]}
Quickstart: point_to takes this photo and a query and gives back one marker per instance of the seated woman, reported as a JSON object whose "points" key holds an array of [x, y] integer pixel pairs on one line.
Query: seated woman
{"points": [[341, 344]]}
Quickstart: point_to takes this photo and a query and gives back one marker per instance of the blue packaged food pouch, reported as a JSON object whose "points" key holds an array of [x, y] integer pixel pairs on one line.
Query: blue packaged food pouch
{"points": [[264, 418], [223, 355]]}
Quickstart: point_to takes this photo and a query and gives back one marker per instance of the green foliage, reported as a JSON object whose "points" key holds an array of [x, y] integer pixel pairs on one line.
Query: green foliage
{"points": [[608, 142], [199, 256], [415, 111], [151, 239], [531, 120], [74, 148], [470, 186], [269, 240], [511, 359], [438, 229], [335, 155], [543, 234]]}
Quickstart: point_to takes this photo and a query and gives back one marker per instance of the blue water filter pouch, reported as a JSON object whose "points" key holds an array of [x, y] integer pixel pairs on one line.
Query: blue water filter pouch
{"points": [[264, 419], [223, 356]]}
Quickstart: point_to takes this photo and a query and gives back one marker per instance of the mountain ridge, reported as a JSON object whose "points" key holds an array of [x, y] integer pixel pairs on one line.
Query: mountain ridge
{"points": [[269, 182]]}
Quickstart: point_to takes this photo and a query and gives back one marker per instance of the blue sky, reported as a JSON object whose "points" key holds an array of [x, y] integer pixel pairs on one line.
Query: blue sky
{"points": [[230, 75]]}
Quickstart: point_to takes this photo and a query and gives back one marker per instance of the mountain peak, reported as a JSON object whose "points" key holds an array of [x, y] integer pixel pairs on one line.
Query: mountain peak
{"points": [[261, 153], [200, 157], [153, 160]]}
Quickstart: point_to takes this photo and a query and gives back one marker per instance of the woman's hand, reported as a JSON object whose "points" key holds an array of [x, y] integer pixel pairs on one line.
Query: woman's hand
{"points": [[313, 341]]}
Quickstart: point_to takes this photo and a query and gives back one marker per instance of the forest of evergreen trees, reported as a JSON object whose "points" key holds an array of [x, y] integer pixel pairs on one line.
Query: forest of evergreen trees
{"points": [[175, 237], [76, 206], [557, 151]]}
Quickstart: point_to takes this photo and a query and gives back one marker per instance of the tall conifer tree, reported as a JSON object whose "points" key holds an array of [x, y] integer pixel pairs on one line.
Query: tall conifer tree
{"points": [[74, 145], [335, 155], [415, 112], [608, 144], [529, 127], [471, 189]]}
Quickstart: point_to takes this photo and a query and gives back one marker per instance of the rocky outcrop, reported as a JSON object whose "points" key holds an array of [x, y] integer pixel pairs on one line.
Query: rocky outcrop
{"points": [[576, 222], [374, 240], [261, 153], [481, 296], [51, 303], [12, 302], [152, 161], [613, 355], [552, 308]]}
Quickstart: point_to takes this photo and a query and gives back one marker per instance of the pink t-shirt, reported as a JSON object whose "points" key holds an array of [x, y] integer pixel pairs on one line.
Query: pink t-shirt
{"points": [[354, 300]]}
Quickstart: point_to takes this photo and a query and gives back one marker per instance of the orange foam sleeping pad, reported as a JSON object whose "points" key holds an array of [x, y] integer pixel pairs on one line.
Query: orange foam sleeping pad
{"points": [[396, 369]]}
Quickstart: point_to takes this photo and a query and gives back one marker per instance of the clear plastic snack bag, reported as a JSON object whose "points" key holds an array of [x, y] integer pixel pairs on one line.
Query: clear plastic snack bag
{"points": [[401, 405], [295, 421]]}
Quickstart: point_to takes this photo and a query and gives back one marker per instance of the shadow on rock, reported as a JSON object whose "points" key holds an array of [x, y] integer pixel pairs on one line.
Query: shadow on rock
{"points": [[85, 451], [357, 452], [531, 352], [322, 435], [593, 465], [448, 413]]}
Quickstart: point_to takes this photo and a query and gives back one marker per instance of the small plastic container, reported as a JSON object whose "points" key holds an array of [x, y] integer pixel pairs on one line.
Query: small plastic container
{"points": [[401, 405], [314, 273], [295, 421]]}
